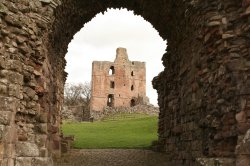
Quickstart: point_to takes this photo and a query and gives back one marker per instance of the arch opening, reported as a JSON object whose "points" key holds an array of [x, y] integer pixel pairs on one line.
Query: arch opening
{"points": [[132, 103], [182, 70], [112, 70]]}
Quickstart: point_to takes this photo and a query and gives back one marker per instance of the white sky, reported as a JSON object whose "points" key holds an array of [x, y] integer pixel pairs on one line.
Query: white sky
{"points": [[100, 37]]}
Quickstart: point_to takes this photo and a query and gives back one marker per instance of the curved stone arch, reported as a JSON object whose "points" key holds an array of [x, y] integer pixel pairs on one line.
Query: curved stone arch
{"points": [[70, 17], [84, 11], [205, 83]]}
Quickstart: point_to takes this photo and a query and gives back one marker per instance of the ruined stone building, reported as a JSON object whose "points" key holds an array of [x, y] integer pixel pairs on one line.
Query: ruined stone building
{"points": [[203, 91], [118, 83]]}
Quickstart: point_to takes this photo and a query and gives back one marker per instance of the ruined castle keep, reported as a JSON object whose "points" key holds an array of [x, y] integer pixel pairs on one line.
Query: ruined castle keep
{"points": [[118, 83], [203, 92]]}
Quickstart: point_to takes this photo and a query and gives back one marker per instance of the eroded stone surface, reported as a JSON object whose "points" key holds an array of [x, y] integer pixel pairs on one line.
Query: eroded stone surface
{"points": [[25, 149]]}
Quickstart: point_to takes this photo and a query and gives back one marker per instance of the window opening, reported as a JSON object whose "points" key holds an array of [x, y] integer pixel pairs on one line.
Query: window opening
{"points": [[132, 73], [132, 103], [112, 84], [110, 101], [132, 87], [112, 70]]}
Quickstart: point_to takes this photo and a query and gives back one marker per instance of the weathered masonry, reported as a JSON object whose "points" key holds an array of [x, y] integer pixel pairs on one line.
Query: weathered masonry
{"points": [[203, 92], [118, 83]]}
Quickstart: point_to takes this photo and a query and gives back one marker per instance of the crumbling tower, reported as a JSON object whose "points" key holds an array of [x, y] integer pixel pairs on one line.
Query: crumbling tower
{"points": [[118, 83]]}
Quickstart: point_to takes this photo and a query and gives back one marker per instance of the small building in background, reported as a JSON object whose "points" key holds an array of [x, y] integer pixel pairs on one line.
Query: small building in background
{"points": [[121, 83]]}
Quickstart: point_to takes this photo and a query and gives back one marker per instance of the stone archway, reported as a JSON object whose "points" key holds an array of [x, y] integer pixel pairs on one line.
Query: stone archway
{"points": [[205, 83]]}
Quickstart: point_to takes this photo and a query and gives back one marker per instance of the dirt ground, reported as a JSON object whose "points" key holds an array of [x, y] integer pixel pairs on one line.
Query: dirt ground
{"points": [[112, 157]]}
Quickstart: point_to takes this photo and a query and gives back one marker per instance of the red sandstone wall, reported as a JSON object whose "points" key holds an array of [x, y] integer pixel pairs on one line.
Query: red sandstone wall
{"points": [[127, 74]]}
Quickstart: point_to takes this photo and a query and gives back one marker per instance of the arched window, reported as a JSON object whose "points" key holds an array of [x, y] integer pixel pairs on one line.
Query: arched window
{"points": [[132, 73], [112, 70]]}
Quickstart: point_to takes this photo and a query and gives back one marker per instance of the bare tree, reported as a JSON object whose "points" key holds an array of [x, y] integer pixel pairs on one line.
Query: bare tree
{"points": [[86, 92], [77, 99], [77, 94]]}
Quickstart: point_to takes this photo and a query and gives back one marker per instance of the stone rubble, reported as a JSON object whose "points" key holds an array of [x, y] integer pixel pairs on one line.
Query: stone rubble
{"points": [[140, 109]]}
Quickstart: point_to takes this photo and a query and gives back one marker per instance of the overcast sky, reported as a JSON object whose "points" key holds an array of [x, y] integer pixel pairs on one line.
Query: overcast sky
{"points": [[99, 38]]}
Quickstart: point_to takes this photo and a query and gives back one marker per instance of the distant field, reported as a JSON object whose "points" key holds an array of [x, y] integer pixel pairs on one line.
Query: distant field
{"points": [[116, 131]]}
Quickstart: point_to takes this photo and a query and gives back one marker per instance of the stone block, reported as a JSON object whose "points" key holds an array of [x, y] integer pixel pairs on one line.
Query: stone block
{"points": [[30, 92], [53, 129], [2, 63], [40, 90], [44, 152], [214, 23], [243, 160], [26, 149], [6, 117], [10, 135], [3, 9], [9, 151], [43, 128], [243, 127], [12, 77], [215, 161], [43, 117], [45, 1], [13, 20], [39, 161], [3, 89], [247, 12], [241, 117], [22, 137], [20, 39], [8, 162], [15, 65], [8, 104], [14, 90], [2, 127], [1, 151], [23, 161]]}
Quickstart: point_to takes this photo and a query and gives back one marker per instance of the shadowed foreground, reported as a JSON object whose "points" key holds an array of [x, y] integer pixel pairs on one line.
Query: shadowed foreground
{"points": [[112, 157]]}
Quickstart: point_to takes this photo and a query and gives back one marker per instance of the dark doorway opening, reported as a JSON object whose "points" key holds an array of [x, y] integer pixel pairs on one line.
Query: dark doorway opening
{"points": [[132, 103], [110, 101], [112, 84]]}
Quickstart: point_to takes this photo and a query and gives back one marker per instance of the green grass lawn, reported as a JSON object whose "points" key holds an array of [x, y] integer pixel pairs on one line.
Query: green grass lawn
{"points": [[117, 131]]}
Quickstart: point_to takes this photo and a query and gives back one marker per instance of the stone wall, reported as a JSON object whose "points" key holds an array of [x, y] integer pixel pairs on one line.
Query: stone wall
{"points": [[75, 113], [140, 109], [203, 91], [200, 97], [117, 83], [29, 119]]}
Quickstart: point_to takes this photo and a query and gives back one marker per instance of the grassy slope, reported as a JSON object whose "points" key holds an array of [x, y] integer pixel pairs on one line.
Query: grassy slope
{"points": [[118, 131]]}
